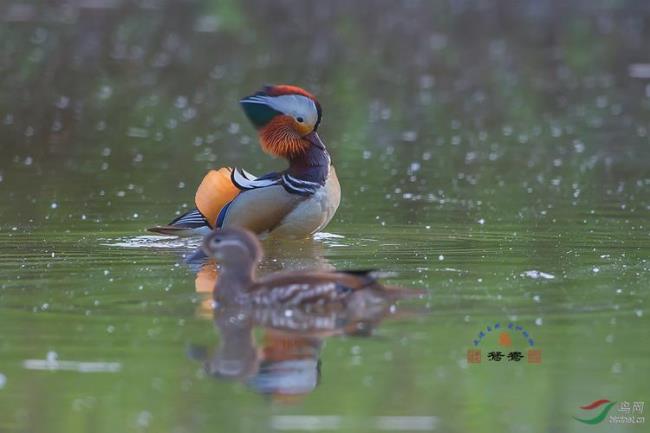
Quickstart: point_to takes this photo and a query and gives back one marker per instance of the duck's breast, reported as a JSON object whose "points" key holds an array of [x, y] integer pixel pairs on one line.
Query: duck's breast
{"points": [[314, 213]]}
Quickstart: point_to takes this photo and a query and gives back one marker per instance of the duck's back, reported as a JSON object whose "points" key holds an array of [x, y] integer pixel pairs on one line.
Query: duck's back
{"points": [[294, 289]]}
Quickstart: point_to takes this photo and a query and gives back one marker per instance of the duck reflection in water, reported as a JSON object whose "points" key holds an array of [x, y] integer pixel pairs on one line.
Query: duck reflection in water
{"points": [[295, 310], [285, 362], [282, 365]]}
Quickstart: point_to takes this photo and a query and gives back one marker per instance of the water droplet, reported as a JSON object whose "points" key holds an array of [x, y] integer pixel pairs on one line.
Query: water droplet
{"points": [[105, 92], [144, 419], [409, 136]]}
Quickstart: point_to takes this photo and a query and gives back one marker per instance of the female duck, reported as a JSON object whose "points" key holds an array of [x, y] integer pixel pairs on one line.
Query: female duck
{"points": [[296, 202], [238, 252]]}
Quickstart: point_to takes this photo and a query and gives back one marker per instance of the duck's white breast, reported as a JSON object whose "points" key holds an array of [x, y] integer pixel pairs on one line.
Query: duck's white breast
{"points": [[314, 213]]}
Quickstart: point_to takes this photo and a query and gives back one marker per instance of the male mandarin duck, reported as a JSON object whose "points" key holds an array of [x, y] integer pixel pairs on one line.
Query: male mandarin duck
{"points": [[238, 251], [296, 202]]}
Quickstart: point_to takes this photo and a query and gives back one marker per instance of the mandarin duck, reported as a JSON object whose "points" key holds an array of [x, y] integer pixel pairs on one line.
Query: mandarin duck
{"points": [[238, 251], [296, 202]]}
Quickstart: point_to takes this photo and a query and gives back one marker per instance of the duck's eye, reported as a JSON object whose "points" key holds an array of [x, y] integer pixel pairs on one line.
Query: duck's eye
{"points": [[300, 119], [215, 241]]}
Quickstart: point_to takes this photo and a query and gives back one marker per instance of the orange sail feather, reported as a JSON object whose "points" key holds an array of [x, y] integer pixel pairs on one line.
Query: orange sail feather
{"points": [[216, 191]]}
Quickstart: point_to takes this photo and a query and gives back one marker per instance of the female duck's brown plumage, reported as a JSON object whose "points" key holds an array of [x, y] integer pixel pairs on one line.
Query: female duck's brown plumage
{"points": [[238, 251]]}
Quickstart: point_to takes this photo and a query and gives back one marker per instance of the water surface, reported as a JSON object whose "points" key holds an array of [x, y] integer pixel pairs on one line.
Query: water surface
{"points": [[494, 153]]}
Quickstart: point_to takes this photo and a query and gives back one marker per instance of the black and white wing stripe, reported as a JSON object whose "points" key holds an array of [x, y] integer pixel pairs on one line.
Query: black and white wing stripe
{"points": [[244, 180], [294, 185]]}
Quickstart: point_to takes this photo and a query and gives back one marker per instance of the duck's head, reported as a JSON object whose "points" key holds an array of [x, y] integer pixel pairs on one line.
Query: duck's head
{"points": [[233, 247], [286, 118]]}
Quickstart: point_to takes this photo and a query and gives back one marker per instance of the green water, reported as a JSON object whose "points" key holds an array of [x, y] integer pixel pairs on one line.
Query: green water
{"points": [[494, 153]]}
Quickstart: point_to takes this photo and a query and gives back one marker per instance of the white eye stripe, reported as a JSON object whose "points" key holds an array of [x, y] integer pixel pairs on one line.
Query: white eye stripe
{"points": [[292, 105], [257, 99]]}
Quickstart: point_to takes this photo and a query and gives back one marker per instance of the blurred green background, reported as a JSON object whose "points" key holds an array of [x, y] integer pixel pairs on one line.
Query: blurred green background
{"points": [[476, 142]]}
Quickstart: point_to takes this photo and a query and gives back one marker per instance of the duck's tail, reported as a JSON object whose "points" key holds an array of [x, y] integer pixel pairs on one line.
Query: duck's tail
{"points": [[215, 191], [191, 223]]}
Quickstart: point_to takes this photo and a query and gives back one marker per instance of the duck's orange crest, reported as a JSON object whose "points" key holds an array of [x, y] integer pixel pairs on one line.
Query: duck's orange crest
{"points": [[288, 89]]}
